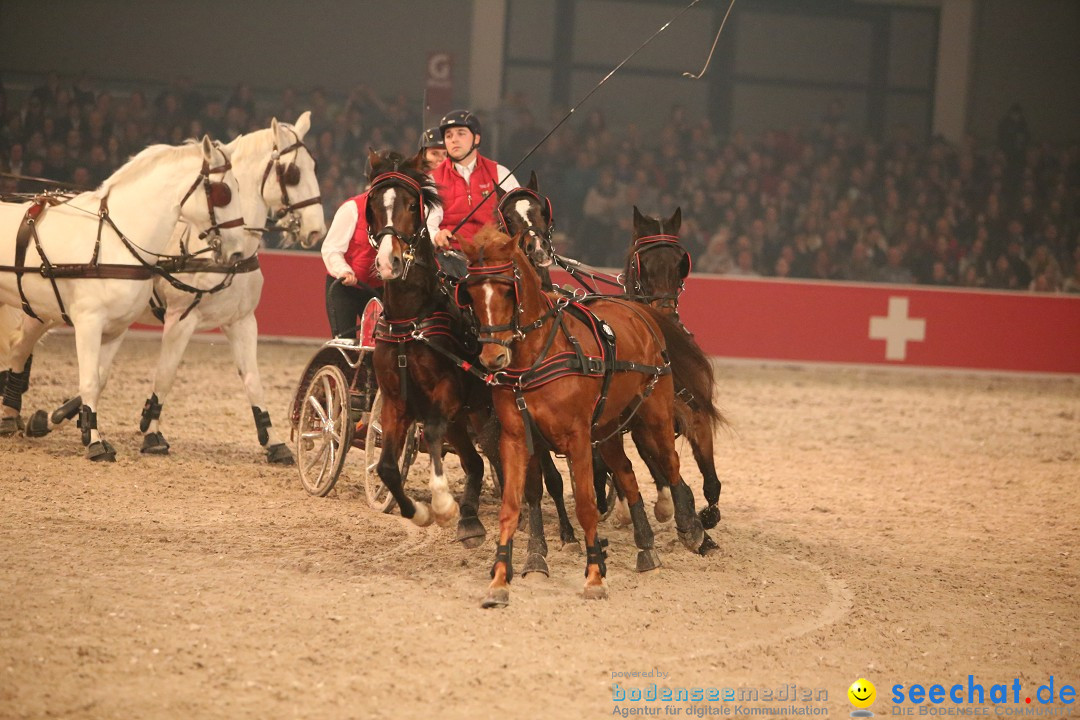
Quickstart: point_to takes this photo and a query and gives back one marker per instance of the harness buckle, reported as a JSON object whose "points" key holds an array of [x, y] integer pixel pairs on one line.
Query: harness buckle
{"points": [[594, 365], [519, 400], [402, 361]]}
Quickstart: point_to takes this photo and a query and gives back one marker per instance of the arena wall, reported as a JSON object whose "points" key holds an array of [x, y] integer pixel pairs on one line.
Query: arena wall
{"points": [[798, 321]]}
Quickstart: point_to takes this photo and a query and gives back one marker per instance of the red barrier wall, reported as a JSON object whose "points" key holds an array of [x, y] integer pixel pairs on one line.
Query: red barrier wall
{"points": [[795, 320]]}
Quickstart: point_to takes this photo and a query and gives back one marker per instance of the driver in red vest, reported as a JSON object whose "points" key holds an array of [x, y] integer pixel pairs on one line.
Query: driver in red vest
{"points": [[465, 178]]}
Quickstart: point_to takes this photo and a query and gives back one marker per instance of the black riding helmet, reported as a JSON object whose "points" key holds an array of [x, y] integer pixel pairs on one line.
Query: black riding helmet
{"points": [[459, 118], [432, 138]]}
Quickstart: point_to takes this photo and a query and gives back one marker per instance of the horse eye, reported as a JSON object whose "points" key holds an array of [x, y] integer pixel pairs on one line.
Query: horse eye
{"points": [[412, 207]]}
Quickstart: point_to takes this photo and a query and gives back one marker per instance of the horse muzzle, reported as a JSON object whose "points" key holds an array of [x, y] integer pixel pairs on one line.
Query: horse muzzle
{"points": [[495, 357]]}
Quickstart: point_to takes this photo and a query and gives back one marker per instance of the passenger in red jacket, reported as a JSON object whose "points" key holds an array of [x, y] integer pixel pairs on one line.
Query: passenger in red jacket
{"points": [[465, 178], [349, 257]]}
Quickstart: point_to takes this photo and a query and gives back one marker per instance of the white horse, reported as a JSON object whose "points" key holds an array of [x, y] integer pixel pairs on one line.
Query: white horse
{"points": [[277, 174], [94, 253]]}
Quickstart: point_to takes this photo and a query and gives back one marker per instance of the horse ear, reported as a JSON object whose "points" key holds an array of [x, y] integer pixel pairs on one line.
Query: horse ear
{"points": [[676, 221], [302, 124], [207, 149], [373, 159], [499, 192], [274, 128], [533, 184], [637, 218]]}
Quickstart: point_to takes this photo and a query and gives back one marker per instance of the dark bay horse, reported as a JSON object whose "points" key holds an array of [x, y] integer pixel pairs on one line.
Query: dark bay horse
{"points": [[419, 332], [578, 377], [656, 266]]}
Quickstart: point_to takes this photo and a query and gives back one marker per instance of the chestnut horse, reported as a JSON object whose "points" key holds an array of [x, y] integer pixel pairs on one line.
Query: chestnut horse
{"points": [[524, 213], [559, 370], [656, 266]]}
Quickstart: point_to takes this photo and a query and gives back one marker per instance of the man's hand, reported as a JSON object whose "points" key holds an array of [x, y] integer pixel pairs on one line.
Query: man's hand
{"points": [[348, 279], [442, 239]]}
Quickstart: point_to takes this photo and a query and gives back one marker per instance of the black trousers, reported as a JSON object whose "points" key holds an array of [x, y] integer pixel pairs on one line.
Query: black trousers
{"points": [[345, 305]]}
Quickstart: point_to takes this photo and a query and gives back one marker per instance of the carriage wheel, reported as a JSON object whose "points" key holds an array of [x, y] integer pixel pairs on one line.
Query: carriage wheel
{"points": [[324, 431], [378, 495]]}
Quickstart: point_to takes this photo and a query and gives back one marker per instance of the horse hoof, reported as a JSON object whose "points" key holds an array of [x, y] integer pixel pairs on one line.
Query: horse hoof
{"points": [[647, 560], [664, 509], [496, 597], [536, 564], [595, 592], [422, 516], [68, 411], [709, 516], [154, 444], [622, 513], [708, 545], [279, 454], [445, 513], [471, 532], [101, 451], [572, 546], [693, 538], [38, 425], [11, 426]]}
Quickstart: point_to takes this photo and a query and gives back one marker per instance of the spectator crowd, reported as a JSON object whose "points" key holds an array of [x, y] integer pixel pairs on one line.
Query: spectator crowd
{"points": [[819, 202]]}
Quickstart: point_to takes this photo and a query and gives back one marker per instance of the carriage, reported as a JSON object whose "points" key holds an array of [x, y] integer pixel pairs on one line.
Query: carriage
{"points": [[336, 408]]}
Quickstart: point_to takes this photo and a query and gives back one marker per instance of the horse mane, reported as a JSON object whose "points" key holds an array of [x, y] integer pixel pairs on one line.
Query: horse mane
{"points": [[257, 142], [144, 160], [490, 244], [391, 161]]}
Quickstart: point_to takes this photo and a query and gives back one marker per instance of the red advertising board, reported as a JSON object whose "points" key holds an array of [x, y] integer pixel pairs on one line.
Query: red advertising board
{"points": [[904, 325], [439, 94]]}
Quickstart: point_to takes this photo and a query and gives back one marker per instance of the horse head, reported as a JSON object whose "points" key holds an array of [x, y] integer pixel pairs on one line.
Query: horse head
{"points": [[290, 184], [657, 264], [525, 213], [225, 238], [397, 206], [500, 289]]}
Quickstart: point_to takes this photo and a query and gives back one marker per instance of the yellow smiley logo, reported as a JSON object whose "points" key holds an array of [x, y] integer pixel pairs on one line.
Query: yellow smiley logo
{"points": [[861, 694]]}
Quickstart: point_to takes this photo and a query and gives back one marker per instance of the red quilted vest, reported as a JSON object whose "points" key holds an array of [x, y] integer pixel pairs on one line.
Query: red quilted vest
{"points": [[360, 255], [459, 197]]}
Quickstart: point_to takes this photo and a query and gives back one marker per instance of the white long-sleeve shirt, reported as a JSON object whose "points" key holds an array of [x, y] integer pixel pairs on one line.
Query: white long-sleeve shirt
{"points": [[342, 228]]}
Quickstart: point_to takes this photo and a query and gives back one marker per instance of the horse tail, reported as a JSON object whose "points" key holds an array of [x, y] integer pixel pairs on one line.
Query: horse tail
{"points": [[690, 368]]}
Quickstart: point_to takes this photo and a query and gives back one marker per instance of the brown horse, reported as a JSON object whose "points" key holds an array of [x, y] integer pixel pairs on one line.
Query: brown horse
{"points": [[656, 266], [526, 214], [419, 334], [558, 370]]}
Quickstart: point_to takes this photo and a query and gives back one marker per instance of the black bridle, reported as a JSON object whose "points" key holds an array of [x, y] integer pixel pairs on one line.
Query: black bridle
{"points": [[218, 195], [543, 238], [633, 273], [288, 175], [397, 179], [508, 274]]}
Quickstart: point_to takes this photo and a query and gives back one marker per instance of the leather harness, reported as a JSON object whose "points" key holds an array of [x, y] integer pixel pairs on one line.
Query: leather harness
{"points": [[144, 270]]}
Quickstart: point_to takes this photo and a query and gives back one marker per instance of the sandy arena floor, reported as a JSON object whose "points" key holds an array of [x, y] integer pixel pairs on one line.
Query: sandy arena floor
{"points": [[905, 527]]}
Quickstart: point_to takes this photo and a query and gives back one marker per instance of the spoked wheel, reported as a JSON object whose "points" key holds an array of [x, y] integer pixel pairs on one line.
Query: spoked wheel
{"points": [[325, 430], [378, 495]]}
